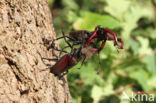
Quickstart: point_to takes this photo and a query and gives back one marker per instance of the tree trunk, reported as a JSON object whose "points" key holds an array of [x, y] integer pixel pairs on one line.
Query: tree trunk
{"points": [[24, 25]]}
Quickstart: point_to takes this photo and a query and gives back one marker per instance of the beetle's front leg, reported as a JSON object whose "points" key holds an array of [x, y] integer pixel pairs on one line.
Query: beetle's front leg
{"points": [[118, 39]]}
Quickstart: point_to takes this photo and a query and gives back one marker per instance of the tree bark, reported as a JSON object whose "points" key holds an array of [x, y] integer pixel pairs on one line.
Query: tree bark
{"points": [[24, 24]]}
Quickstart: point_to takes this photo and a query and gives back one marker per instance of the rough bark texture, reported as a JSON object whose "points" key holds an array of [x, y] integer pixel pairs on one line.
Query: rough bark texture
{"points": [[23, 78]]}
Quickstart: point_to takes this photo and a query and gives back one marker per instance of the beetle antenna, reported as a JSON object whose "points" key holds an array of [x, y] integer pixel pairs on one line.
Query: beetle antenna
{"points": [[99, 63]]}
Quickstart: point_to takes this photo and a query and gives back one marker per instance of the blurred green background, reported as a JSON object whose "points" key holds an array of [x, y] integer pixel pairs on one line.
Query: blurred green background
{"points": [[133, 69]]}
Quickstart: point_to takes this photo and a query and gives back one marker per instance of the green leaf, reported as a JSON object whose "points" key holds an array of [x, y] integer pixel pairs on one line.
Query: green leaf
{"points": [[117, 7], [150, 62], [90, 20], [132, 15], [152, 82], [142, 77], [108, 89], [135, 46], [97, 92], [150, 32], [144, 45], [70, 4], [50, 2], [88, 74], [128, 17], [128, 92], [71, 16]]}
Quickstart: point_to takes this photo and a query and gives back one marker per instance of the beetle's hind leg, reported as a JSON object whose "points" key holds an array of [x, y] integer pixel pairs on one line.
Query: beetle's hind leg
{"points": [[64, 85], [69, 45], [61, 77], [42, 59], [82, 62]]}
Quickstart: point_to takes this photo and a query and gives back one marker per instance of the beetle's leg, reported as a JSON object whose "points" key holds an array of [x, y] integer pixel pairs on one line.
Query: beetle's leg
{"points": [[101, 47], [64, 86], [83, 42], [114, 35], [94, 35], [42, 59], [121, 41], [66, 37], [60, 50], [118, 39], [66, 40], [50, 59], [64, 83], [82, 62], [67, 47], [99, 63], [60, 76], [72, 45]]}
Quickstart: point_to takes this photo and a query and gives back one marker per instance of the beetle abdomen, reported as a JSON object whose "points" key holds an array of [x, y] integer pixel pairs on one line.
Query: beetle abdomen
{"points": [[60, 66], [65, 63]]}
